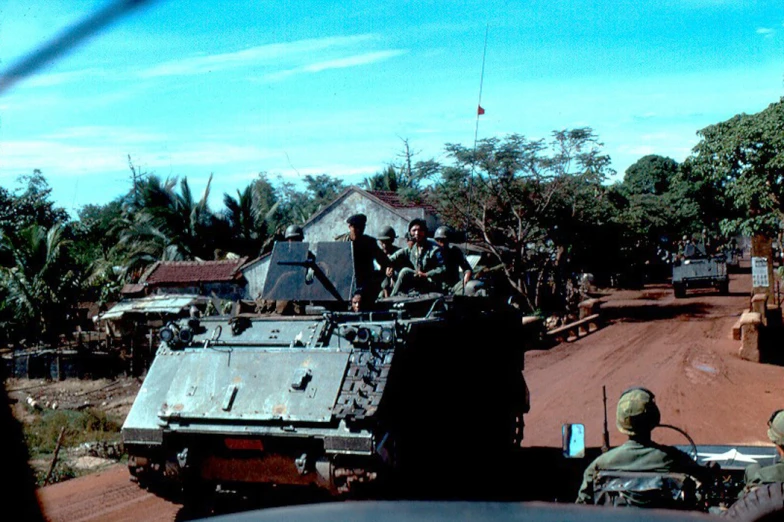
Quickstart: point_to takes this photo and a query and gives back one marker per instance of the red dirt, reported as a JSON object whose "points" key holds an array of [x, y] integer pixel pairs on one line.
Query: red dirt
{"points": [[680, 348], [108, 496]]}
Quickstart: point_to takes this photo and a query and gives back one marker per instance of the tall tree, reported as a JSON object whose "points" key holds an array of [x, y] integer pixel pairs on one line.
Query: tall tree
{"points": [[41, 284], [297, 205], [739, 167], [250, 217], [164, 224], [528, 201], [30, 204]]}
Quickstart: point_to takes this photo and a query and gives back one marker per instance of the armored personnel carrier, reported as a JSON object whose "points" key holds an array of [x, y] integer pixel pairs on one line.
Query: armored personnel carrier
{"points": [[697, 269], [420, 393]]}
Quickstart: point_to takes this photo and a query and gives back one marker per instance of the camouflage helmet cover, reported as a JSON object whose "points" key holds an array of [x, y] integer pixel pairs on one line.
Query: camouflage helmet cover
{"points": [[442, 232], [293, 232], [387, 234], [776, 428], [637, 412]]}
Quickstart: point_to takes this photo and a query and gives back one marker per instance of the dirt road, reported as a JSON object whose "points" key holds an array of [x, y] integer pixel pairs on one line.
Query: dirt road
{"points": [[680, 348]]}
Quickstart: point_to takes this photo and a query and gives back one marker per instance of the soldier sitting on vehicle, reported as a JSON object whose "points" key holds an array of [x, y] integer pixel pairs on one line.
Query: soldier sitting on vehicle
{"points": [[637, 415], [756, 475], [454, 261], [422, 264], [386, 242]]}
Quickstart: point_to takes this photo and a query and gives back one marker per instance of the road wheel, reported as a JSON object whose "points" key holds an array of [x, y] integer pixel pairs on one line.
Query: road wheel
{"points": [[724, 288], [763, 503], [679, 289]]}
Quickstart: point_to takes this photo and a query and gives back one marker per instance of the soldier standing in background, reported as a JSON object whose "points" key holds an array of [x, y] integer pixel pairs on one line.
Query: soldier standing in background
{"points": [[366, 251]]}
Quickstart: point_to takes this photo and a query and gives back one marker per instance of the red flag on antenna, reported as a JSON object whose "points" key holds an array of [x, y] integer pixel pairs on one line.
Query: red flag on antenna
{"points": [[480, 110]]}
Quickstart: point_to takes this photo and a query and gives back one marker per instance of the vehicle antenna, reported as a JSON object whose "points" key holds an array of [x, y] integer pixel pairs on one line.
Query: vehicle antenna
{"points": [[606, 432], [479, 112]]}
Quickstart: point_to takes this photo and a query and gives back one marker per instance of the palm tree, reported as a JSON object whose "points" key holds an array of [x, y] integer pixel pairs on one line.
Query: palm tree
{"points": [[162, 224], [39, 281], [249, 218]]}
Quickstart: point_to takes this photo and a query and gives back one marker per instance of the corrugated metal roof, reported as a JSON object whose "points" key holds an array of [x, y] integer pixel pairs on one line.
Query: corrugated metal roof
{"points": [[171, 304]]}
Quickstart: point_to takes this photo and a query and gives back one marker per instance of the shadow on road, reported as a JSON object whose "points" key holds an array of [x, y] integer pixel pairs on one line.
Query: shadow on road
{"points": [[653, 312]]}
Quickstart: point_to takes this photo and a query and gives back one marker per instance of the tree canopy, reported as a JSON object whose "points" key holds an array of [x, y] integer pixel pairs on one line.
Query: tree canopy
{"points": [[739, 163]]}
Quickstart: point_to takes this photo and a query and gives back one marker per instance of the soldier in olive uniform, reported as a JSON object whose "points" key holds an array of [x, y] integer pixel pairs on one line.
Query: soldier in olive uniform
{"points": [[386, 242], [755, 474], [636, 416], [422, 264], [455, 261]]}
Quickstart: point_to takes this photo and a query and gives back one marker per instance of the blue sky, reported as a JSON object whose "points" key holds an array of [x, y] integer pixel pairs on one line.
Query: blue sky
{"points": [[303, 87]]}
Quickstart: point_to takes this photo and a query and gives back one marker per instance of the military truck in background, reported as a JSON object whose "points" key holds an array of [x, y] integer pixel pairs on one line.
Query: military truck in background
{"points": [[695, 268], [332, 399]]}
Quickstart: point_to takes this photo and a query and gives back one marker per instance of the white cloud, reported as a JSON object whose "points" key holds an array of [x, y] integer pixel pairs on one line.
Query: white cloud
{"points": [[340, 63], [119, 135], [60, 158], [253, 55], [766, 31]]}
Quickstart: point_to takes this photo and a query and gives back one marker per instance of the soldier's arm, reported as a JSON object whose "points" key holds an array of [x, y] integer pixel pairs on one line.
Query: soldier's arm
{"points": [[437, 264], [585, 495], [380, 256]]}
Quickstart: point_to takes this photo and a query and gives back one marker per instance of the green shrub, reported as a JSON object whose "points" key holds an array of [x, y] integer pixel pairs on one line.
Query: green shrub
{"points": [[80, 426]]}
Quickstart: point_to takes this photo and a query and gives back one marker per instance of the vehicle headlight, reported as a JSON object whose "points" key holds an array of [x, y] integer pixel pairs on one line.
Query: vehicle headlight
{"points": [[167, 334], [186, 335], [387, 336], [363, 336]]}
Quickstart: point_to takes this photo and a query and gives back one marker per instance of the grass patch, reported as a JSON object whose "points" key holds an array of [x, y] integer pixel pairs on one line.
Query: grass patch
{"points": [[80, 427], [90, 425]]}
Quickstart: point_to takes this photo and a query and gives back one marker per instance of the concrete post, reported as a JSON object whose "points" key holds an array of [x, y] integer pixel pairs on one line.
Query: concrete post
{"points": [[759, 305], [749, 339]]}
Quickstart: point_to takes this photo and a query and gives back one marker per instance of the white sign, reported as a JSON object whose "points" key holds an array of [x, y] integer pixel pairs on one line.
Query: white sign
{"points": [[759, 272]]}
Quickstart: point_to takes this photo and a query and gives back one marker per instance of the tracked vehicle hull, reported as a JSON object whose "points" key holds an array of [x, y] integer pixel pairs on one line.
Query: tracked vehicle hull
{"points": [[419, 396]]}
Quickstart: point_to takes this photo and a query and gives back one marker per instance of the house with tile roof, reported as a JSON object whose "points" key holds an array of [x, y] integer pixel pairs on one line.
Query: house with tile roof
{"points": [[382, 208], [222, 279]]}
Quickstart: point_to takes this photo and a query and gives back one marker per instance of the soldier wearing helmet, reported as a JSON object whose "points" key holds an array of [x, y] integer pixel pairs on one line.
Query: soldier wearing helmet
{"points": [[759, 476], [294, 233], [454, 261], [386, 240], [636, 416]]}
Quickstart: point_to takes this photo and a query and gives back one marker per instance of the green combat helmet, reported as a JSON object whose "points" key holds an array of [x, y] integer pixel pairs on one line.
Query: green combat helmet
{"points": [[637, 412], [294, 233], [387, 234], [776, 428], [442, 233]]}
